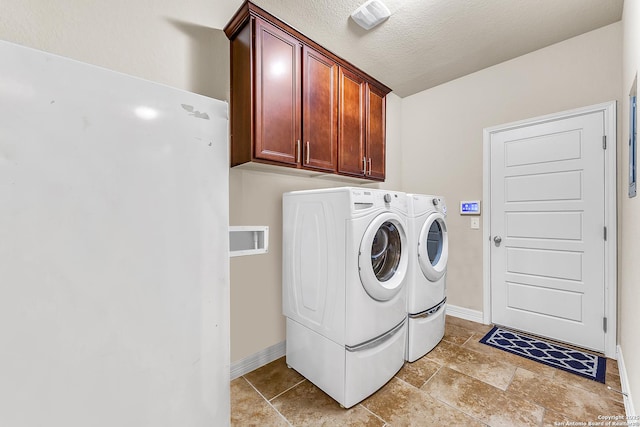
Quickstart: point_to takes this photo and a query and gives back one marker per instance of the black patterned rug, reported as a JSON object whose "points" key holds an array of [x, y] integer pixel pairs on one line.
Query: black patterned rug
{"points": [[568, 359]]}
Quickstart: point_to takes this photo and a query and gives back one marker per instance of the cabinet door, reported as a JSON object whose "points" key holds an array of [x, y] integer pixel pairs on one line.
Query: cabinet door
{"points": [[351, 155], [277, 94], [320, 113], [376, 132]]}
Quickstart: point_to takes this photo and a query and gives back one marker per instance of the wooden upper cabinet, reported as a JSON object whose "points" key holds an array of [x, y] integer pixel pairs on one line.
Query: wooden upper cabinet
{"points": [[362, 128], [295, 104], [376, 132], [320, 111], [277, 94], [351, 142]]}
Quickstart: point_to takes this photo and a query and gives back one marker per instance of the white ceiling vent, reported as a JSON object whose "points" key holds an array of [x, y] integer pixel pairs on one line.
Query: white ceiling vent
{"points": [[370, 14]]}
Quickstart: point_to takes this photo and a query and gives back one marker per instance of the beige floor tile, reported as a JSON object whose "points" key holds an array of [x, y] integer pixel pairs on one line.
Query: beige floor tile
{"points": [[591, 385], [477, 365], [554, 419], [307, 405], [469, 325], [614, 381], [274, 378], [612, 367], [400, 404], [483, 401], [248, 408], [418, 372], [456, 334], [576, 404]]}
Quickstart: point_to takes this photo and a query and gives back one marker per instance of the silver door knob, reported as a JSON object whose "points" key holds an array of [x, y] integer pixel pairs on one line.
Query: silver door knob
{"points": [[497, 240]]}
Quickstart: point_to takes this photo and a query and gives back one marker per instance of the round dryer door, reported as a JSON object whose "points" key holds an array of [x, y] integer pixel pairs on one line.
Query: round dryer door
{"points": [[433, 247], [382, 260]]}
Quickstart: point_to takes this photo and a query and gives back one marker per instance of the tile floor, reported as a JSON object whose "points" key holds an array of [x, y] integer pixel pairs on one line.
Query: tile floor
{"points": [[460, 383]]}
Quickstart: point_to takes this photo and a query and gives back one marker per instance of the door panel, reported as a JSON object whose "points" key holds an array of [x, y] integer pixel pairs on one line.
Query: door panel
{"points": [[543, 149], [547, 207], [320, 113], [277, 94], [550, 302], [545, 263], [544, 225], [544, 187]]}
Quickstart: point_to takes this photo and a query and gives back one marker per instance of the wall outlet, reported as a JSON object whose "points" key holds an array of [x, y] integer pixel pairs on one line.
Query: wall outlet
{"points": [[475, 223]]}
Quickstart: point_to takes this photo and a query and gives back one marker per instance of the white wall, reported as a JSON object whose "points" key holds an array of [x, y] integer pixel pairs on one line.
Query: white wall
{"points": [[442, 130], [629, 210], [176, 43]]}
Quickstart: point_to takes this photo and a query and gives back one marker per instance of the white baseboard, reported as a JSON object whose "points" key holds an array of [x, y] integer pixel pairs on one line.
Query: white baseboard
{"points": [[465, 313], [256, 360], [624, 381]]}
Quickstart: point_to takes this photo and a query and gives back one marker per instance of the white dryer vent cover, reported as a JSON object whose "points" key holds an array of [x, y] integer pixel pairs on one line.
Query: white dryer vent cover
{"points": [[371, 14]]}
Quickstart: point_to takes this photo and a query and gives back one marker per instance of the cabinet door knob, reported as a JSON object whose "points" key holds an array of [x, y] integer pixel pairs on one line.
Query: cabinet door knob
{"points": [[298, 152], [364, 166], [369, 166], [308, 152]]}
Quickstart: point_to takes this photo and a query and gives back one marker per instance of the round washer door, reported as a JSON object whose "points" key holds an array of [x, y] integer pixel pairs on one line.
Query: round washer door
{"points": [[433, 247], [382, 260]]}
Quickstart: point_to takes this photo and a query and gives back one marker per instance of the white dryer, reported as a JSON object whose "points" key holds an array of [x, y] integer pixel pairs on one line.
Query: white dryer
{"points": [[345, 261], [426, 279]]}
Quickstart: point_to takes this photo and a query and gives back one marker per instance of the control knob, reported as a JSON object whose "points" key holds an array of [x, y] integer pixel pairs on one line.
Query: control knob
{"points": [[387, 198]]}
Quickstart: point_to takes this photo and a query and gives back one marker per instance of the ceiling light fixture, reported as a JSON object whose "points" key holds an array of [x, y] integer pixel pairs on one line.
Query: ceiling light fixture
{"points": [[370, 14]]}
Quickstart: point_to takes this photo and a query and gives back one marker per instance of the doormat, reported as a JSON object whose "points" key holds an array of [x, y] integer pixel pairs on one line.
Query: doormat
{"points": [[568, 359]]}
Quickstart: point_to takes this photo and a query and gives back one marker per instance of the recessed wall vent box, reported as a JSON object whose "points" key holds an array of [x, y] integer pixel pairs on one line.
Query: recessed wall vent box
{"points": [[470, 207], [248, 240], [371, 14]]}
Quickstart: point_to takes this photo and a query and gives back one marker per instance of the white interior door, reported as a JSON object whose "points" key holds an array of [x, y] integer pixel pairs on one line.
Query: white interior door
{"points": [[547, 229]]}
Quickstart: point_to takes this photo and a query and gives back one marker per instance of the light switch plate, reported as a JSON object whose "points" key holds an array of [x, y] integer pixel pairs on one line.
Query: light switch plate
{"points": [[475, 223]]}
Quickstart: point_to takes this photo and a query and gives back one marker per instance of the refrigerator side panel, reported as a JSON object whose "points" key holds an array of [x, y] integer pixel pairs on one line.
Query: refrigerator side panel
{"points": [[114, 274]]}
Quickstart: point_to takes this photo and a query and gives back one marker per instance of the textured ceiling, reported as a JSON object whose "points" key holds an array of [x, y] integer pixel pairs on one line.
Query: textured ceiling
{"points": [[429, 42]]}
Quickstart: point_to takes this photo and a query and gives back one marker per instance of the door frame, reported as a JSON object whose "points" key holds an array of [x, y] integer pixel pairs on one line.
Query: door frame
{"points": [[610, 214]]}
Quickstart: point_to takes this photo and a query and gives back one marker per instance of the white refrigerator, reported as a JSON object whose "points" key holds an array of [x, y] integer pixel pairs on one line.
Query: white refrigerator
{"points": [[114, 269]]}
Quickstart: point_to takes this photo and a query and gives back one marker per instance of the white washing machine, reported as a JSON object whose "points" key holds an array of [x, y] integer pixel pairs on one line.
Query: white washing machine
{"points": [[345, 261], [427, 274]]}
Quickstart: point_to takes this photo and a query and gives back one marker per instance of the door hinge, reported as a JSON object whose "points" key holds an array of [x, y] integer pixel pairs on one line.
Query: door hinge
{"points": [[604, 142], [605, 233], [604, 324]]}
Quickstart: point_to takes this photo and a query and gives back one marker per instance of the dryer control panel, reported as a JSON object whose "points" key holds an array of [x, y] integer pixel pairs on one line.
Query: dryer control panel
{"points": [[440, 205]]}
